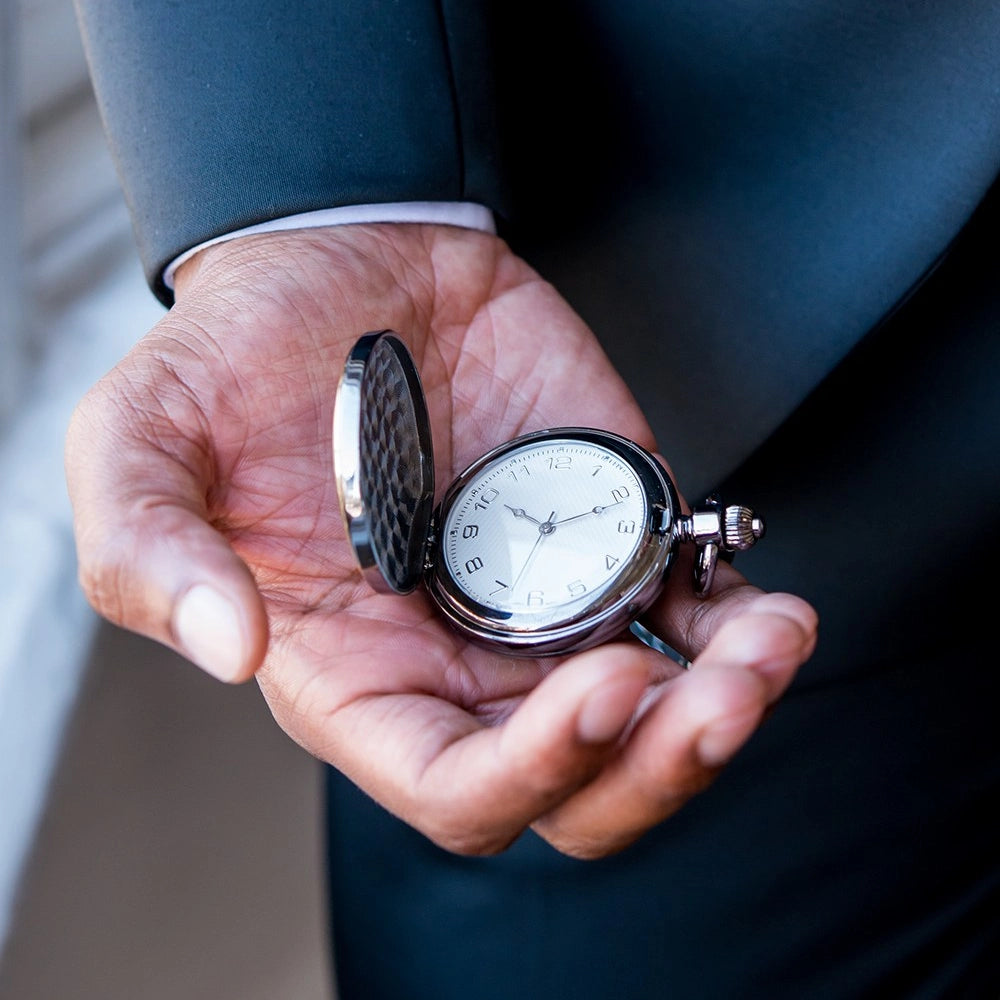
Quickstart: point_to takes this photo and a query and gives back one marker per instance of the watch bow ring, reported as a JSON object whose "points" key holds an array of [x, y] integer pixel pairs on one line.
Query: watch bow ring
{"points": [[548, 544]]}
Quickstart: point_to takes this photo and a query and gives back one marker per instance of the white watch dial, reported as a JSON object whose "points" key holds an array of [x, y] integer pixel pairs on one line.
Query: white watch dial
{"points": [[545, 529]]}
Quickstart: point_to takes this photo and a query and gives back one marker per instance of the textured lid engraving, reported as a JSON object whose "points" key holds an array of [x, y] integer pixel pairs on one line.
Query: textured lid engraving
{"points": [[383, 460]]}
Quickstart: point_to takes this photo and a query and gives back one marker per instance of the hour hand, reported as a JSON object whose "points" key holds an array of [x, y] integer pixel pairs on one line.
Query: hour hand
{"points": [[520, 512]]}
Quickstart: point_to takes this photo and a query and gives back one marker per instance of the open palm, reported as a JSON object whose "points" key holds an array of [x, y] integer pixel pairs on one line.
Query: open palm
{"points": [[201, 474]]}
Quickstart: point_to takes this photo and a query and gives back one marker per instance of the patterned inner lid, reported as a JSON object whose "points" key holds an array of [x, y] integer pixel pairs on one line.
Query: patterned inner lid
{"points": [[388, 518]]}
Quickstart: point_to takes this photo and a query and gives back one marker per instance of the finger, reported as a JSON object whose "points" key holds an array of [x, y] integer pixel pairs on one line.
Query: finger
{"points": [[148, 559], [473, 789], [687, 622], [696, 724]]}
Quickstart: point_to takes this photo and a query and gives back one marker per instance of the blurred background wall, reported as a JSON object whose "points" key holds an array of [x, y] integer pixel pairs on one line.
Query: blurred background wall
{"points": [[159, 836]]}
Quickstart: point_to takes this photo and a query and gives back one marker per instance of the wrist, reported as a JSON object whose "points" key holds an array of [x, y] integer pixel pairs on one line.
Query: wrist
{"points": [[464, 215]]}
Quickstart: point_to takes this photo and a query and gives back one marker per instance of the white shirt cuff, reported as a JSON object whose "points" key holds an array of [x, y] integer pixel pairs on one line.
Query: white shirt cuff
{"points": [[446, 213]]}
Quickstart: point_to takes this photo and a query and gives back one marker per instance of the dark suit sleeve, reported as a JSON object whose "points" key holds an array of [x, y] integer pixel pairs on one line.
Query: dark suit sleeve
{"points": [[226, 113]]}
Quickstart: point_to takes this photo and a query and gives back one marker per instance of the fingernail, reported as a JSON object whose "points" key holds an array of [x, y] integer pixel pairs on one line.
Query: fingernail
{"points": [[207, 625], [789, 606], [720, 740], [607, 711]]}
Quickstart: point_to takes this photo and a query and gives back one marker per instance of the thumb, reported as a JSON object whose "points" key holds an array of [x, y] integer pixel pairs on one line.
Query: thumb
{"points": [[150, 561]]}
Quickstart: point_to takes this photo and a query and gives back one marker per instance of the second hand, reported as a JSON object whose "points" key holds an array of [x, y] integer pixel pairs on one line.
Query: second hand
{"points": [[545, 528]]}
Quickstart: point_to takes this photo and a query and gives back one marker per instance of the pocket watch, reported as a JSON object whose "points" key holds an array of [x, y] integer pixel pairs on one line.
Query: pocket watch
{"points": [[548, 544]]}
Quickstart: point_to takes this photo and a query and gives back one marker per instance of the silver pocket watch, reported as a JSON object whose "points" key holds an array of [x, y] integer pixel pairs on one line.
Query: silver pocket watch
{"points": [[549, 544]]}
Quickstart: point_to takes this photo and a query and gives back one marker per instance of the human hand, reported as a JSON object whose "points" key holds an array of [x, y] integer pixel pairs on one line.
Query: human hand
{"points": [[206, 517]]}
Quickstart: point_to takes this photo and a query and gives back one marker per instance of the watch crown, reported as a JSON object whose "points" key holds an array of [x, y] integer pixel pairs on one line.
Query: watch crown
{"points": [[741, 528], [718, 532]]}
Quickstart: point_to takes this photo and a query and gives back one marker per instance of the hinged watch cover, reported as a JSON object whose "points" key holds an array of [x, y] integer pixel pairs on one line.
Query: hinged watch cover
{"points": [[384, 462]]}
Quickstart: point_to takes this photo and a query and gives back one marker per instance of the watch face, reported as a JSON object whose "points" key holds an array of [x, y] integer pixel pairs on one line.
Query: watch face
{"points": [[551, 529]]}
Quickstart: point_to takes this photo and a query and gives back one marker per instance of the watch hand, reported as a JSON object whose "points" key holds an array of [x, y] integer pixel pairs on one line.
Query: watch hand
{"points": [[520, 512], [593, 510], [545, 528]]}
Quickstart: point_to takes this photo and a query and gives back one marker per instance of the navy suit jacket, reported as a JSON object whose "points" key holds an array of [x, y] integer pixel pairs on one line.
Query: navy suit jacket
{"points": [[778, 218], [733, 193]]}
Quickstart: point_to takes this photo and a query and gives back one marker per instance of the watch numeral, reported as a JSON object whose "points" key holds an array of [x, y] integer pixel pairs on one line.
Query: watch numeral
{"points": [[619, 494], [611, 561], [597, 468], [577, 587], [560, 461], [487, 498], [502, 586], [470, 531], [536, 598], [521, 470], [626, 527], [473, 564]]}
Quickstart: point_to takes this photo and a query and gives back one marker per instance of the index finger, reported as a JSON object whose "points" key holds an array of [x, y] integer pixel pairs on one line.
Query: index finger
{"points": [[687, 622]]}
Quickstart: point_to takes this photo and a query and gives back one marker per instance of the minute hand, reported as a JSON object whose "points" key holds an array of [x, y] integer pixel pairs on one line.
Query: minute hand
{"points": [[593, 510]]}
